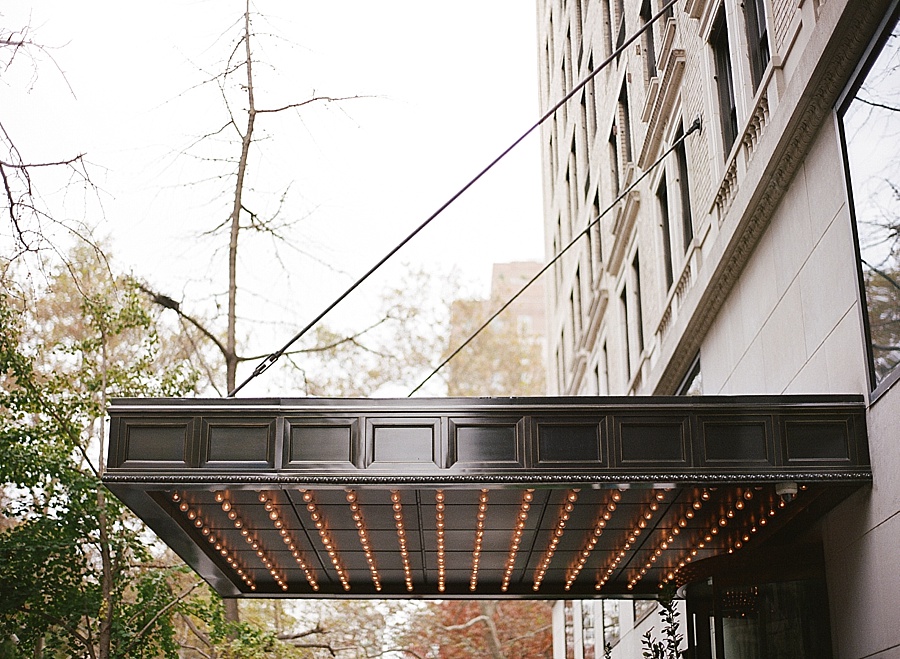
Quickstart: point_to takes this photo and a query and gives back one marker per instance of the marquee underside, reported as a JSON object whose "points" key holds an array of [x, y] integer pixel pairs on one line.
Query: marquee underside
{"points": [[512, 497]]}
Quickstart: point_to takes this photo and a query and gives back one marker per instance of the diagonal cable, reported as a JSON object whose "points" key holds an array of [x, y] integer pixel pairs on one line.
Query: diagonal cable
{"points": [[269, 360], [695, 126]]}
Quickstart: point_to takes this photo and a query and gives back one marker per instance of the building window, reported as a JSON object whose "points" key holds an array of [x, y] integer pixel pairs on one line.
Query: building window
{"points": [[608, 20], [757, 39], [612, 630], [620, 23], [636, 297], [594, 239], [662, 201], [625, 124], [590, 90], [614, 162], [588, 639], [623, 304], [681, 171], [648, 49], [603, 372], [870, 121], [724, 80], [692, 384], [643, 608]]}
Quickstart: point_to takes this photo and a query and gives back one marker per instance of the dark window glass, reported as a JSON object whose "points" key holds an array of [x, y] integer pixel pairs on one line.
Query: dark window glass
{"points": [[625, 124], [724, 80], [608, 20], [620, 23], [647, 38], [638, 312], [624, 302], [614, 162], [871, 126], [687, 222], [757, 38], [662, 199]]}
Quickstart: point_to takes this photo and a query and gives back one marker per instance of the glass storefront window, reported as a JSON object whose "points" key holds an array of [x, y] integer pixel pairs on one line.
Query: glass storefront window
{"points": [[870, 124], [786, 620]]}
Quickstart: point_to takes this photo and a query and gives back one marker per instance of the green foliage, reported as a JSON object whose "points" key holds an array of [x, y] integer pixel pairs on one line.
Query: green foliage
{"points": [[668, 647], [72, 575]]}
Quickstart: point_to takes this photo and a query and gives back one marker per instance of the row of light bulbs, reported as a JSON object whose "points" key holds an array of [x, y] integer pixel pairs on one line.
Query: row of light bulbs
{"points": [[668, 540], [480, 516], [733, 509], [583, 555], [275, 517], [318, 520], [630, 539], [441, 546], [216, 542], [516, 539], [397, 505], [363, 533], [565, 509]]}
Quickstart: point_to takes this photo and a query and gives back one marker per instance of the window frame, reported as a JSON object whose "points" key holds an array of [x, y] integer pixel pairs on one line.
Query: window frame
{"points": [[759, 46], [723, 71], [890, 21]]}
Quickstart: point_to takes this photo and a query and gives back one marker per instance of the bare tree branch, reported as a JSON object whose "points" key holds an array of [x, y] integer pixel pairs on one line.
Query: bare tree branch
{"points": [[875, 104], [169, 303], [314, 99]]}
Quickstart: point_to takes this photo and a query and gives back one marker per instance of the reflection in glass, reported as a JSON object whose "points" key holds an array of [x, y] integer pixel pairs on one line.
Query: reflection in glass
{"points": [[871, 126], [612, 630]]}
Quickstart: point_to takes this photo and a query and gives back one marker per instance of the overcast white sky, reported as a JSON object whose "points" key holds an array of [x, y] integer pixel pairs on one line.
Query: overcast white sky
{"points": [[450, 86]]}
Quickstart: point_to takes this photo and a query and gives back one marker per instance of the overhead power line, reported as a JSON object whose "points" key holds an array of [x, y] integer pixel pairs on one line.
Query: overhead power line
{"points": [[269, 360], [693, 128]]}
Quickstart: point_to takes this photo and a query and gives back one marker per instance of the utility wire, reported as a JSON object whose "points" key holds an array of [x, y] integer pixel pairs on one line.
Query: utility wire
{"points": [[695, 126], [264, 365]]}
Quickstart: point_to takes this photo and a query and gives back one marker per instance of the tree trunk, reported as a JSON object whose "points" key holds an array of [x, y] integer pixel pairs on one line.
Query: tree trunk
{"points": [[231, 360], [107, 603], [488, 609], [232, 613]]}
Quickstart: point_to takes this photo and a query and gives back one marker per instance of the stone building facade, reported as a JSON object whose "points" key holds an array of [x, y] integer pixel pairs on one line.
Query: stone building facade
{"points": [[752, 256]]}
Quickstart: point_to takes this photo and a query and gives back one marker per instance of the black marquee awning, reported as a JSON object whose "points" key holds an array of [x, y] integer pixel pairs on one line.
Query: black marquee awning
{"points": [[494, 497]]}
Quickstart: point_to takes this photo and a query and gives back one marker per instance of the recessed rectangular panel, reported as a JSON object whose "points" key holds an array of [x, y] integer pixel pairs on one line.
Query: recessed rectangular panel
{"points": [[735, 442], [404, 443], [569, 443], [321, 444], [232, 443], [157, 443], [816, 441], [649, 443], [485, 444]]}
